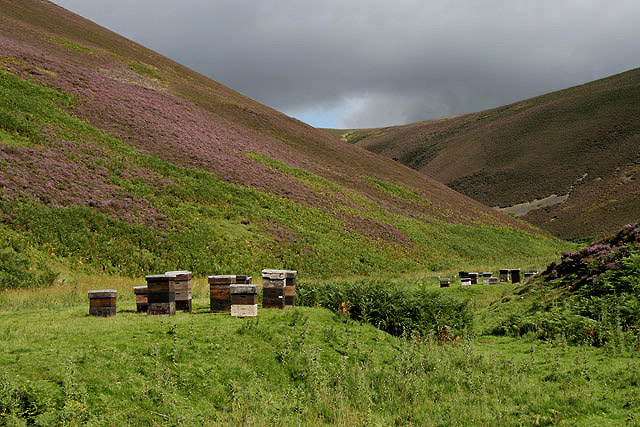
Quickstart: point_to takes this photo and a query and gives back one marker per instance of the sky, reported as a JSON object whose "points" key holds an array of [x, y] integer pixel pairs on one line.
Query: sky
{"points": [[373, 63]]}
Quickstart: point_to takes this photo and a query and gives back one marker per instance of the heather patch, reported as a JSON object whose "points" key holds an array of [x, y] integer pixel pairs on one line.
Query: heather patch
{"points": [[591, 296]]}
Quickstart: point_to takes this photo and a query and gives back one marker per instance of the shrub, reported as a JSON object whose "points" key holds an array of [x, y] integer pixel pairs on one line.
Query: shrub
{"points": [[399, 310]]}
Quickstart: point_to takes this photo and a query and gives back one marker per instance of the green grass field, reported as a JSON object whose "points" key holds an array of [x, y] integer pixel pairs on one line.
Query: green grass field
{"points": [[305, 365]]}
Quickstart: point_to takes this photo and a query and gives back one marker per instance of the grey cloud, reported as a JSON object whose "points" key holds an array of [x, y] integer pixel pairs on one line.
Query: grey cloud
{"points": [[405, 60]]}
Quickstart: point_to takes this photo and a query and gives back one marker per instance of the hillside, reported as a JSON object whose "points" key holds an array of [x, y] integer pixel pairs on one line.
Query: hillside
{"points": [[580, 144], [117, 159]]}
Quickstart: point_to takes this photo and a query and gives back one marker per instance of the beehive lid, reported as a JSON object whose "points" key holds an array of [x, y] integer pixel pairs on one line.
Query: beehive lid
{"points": [[180, 274], [104, 293], [274, 274], [244, 289]]}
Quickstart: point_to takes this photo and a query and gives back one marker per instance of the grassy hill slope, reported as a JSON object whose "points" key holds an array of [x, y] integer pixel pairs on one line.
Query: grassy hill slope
{"points": [[583, 142], [117, 159]]}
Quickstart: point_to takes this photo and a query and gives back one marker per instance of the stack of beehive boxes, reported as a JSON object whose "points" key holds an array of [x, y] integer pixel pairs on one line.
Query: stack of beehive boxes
{"points": [[161, 295], [273, 288], [182, 288], [220, 293], [244, 300]]}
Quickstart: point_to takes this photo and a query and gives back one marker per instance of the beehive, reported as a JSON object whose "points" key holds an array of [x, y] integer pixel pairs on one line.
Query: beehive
{"points": [[493, 280], [445, 283], [142, 301], [244, 300], [463, 274], [219, 294], [515, 275], [102, 303], [528, 276], [485, 277], [242, 279], [465, 282], [504, 275], [182, 287], [474, 278], [290, 288], [161, 295], [273, 286]]}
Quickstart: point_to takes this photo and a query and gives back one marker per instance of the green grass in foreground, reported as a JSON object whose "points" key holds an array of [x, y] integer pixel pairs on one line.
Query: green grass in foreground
{"points": [[301, 366]]}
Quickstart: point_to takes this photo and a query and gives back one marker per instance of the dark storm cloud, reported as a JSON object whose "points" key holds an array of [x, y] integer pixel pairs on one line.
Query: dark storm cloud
{"points": [[381, 62]]}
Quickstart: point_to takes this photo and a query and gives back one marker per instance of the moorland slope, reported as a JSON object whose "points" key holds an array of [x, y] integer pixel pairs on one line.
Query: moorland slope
{"points": [[567, 161], [117, 159]]}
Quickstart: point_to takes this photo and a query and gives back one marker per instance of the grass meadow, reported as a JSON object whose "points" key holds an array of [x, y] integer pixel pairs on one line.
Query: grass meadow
{"points": [[301, 366]]}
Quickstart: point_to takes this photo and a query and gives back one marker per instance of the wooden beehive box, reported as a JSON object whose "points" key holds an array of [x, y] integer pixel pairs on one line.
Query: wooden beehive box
{"points": [[290, 288], [504, 275], [528, 276], [219, 293], [493, 280], [485, 277], [244, 300], [182, 286], [515, 275], [445, 283], [242, 279], [161, 295], [465, 282], [102, 302], [142, 300], [273, 285], [474, 278]]}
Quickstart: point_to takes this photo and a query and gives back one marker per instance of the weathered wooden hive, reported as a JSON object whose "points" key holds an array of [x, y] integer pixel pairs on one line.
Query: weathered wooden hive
{"points": [[515, 275], [273, 286], [244, 300], [485, 277], [463, 274], [161, 295], [466, 281], [242, 279], [290, 288], [493, 280], [142, 300], [445, 283], [103, 302], [219, 293], [182, 287], [474, 278], [528, 276], [504, 275]]}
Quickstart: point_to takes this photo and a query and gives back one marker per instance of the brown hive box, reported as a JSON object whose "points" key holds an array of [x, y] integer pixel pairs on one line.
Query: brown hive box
{"points": [[474, 278], [504, 275], [445, 283], [244, 300], [161, 295], [273, 286], [515, 275], [102, 302], [493, 280], [242, 279], [142, 300], [182, 285], [290, 288], [465, 281], [219, 293]]}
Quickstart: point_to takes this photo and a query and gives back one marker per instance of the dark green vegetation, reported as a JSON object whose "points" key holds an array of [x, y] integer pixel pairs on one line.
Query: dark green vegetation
{"points": [[583, 141], [398, 310], [302, 365], [114, 159], [591, 296]]}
